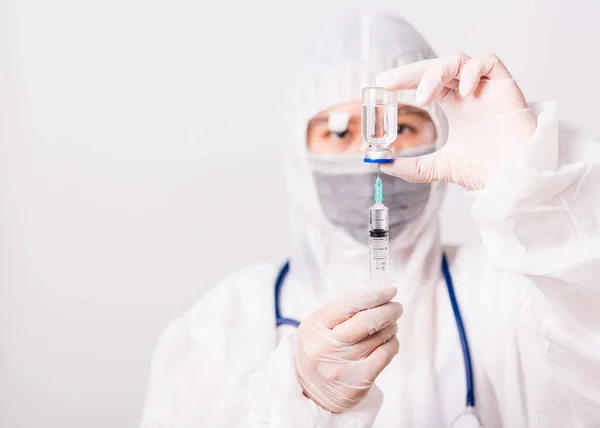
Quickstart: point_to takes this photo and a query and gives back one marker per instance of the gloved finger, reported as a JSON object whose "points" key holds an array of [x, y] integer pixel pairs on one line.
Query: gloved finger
{"points": [[338, 353], [482, 66], [444, 70], [452, 84], [340, 309], [443, 94], [378, 360], [420, 169], [405, 77], [367, 322], [364, 348], [449, 87]]}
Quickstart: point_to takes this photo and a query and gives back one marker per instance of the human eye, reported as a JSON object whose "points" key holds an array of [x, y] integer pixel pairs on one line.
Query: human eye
{"points": [[404, 128], [339, 136]]}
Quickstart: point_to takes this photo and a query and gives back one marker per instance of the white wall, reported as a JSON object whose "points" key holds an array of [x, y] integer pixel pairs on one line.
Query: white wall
{"points": [[117, 121]]}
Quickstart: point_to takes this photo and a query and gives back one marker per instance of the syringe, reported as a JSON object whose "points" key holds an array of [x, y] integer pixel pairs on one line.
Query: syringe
{"points": [[378, 235]]}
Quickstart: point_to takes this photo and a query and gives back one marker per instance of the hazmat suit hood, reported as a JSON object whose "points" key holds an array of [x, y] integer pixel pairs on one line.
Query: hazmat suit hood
{"points": [[333, 71]]}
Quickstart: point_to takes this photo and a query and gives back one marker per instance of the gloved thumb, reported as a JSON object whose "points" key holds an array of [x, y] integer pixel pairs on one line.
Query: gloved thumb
{"points": [[418, 169]]}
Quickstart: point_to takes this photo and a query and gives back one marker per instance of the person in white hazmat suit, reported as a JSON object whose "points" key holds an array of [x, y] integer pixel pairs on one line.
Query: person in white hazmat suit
{"points": [[379, 355]]}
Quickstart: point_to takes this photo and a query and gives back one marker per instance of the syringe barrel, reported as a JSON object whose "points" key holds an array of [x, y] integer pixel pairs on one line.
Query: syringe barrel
{"points": [[378, 241]]}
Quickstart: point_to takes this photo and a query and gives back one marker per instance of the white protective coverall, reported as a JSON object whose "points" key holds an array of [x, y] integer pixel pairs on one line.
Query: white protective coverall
{"points": [[530, 297]]}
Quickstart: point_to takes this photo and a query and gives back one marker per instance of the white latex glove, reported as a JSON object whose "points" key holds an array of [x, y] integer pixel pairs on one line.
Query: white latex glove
{"points": [[488, 117], [344, 345]]}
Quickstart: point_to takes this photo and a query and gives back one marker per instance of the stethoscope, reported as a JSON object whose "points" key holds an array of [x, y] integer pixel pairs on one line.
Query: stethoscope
{"points": [[468, 418]]}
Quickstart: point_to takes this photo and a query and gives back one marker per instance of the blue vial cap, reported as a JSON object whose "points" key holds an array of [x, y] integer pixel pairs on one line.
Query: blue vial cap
{"points": [[369, 160]]}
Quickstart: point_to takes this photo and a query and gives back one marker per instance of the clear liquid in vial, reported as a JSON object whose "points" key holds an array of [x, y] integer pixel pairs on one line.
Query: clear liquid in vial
{"points": [[378, 124]]}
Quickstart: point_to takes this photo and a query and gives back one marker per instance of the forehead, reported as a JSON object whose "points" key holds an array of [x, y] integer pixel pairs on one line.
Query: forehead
{"points": [[353, 109]]}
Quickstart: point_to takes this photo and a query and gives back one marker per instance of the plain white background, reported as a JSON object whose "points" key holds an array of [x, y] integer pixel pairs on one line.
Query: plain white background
{"points": [[137, 139]]}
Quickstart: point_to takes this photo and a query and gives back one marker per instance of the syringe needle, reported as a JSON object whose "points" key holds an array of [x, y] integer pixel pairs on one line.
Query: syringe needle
{"points": [[377, 170], [378, 194]]}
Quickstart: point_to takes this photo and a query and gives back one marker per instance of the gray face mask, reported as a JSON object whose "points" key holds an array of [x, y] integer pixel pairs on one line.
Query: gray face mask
{"points": [[345, 189]]}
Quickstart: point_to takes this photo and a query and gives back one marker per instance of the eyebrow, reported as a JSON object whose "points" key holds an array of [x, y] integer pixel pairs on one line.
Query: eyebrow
{"points": [[354, 118], [413, 111]]}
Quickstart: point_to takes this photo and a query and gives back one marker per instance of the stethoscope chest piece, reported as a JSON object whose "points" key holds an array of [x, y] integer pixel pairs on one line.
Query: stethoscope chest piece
{"points": [[467, 419]]}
